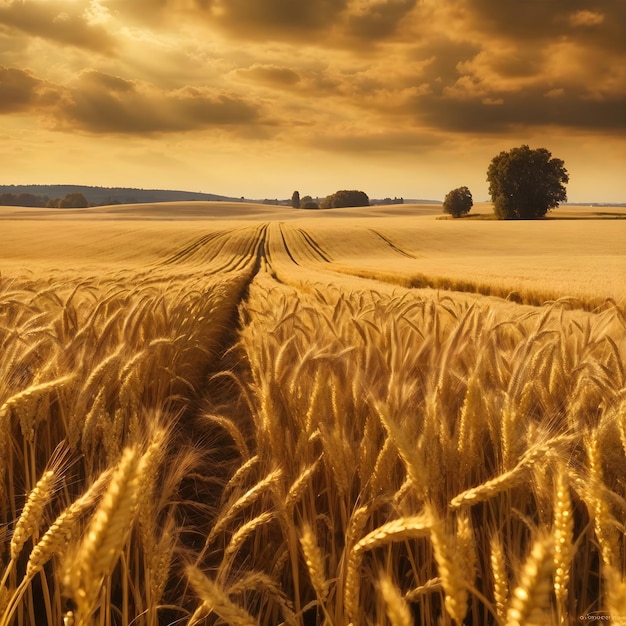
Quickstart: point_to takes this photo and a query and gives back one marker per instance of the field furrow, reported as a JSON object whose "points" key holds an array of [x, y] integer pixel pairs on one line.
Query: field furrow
{"points": [[392, 245]]}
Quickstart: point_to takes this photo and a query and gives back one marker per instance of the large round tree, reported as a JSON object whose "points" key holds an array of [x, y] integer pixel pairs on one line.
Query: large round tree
{"points": [[525, 183]]}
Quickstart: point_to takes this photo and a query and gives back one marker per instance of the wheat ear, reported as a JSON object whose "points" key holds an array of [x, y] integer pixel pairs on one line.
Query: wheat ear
{"points": [[351, 588], [450, 571], [267, 585], [563, 536], [60, 532], [215, 600], [243, 532], [500, 577], [315, 563], [531, 599], [615, 592], [396, 530], [241, 503], [512, 478], [106, 535], [396, 606], [30, 517]]}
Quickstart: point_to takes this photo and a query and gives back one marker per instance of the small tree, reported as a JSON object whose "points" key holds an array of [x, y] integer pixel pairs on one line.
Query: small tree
{"points": [[525, 183], [295, 199], [458, 202]]}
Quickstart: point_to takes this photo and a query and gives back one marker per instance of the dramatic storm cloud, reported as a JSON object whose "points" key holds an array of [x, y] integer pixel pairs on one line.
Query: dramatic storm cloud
{"points": [[259, 97]]}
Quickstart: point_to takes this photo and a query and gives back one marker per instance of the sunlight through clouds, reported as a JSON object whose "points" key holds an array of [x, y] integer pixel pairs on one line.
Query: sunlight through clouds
{"points": [[278, 76]]}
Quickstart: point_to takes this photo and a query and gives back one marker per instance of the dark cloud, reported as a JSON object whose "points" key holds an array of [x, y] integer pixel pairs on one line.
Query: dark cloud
{"points": [[380, 20], [20, 91], [339, 23], [530, 108], [440, 56], [57, 21], [92, 79], [596, 21], [280, 19], [99, 103]]}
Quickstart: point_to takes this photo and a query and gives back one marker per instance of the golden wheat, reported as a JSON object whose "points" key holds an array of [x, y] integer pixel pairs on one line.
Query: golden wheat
{"points": [[397, 609], [351, 407], [29, 520], [529, 604], [214, 599], [105, 537]]}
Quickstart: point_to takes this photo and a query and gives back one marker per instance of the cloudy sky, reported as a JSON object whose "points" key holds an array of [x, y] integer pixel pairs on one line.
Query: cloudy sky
{"points": [[257, 98]]}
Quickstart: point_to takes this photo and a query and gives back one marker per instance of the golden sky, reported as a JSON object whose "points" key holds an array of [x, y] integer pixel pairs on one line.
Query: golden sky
{"points": [[257, 98]]}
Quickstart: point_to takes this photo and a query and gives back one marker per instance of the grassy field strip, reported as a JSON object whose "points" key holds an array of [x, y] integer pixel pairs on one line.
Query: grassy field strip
{"points": [[510, 266], [298, 259], [333, 277], [72, 241]]}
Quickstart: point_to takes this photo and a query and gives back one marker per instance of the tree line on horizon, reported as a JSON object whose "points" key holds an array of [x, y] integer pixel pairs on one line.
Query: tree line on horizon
{"points": [[74, 200], [340, 199]]}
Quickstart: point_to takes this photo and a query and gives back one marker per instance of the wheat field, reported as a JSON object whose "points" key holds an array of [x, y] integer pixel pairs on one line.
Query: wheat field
{"points": [[245, 414]]}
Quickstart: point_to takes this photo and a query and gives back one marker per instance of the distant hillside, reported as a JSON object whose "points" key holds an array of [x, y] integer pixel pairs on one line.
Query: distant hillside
{"points": [[111, 195]]}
